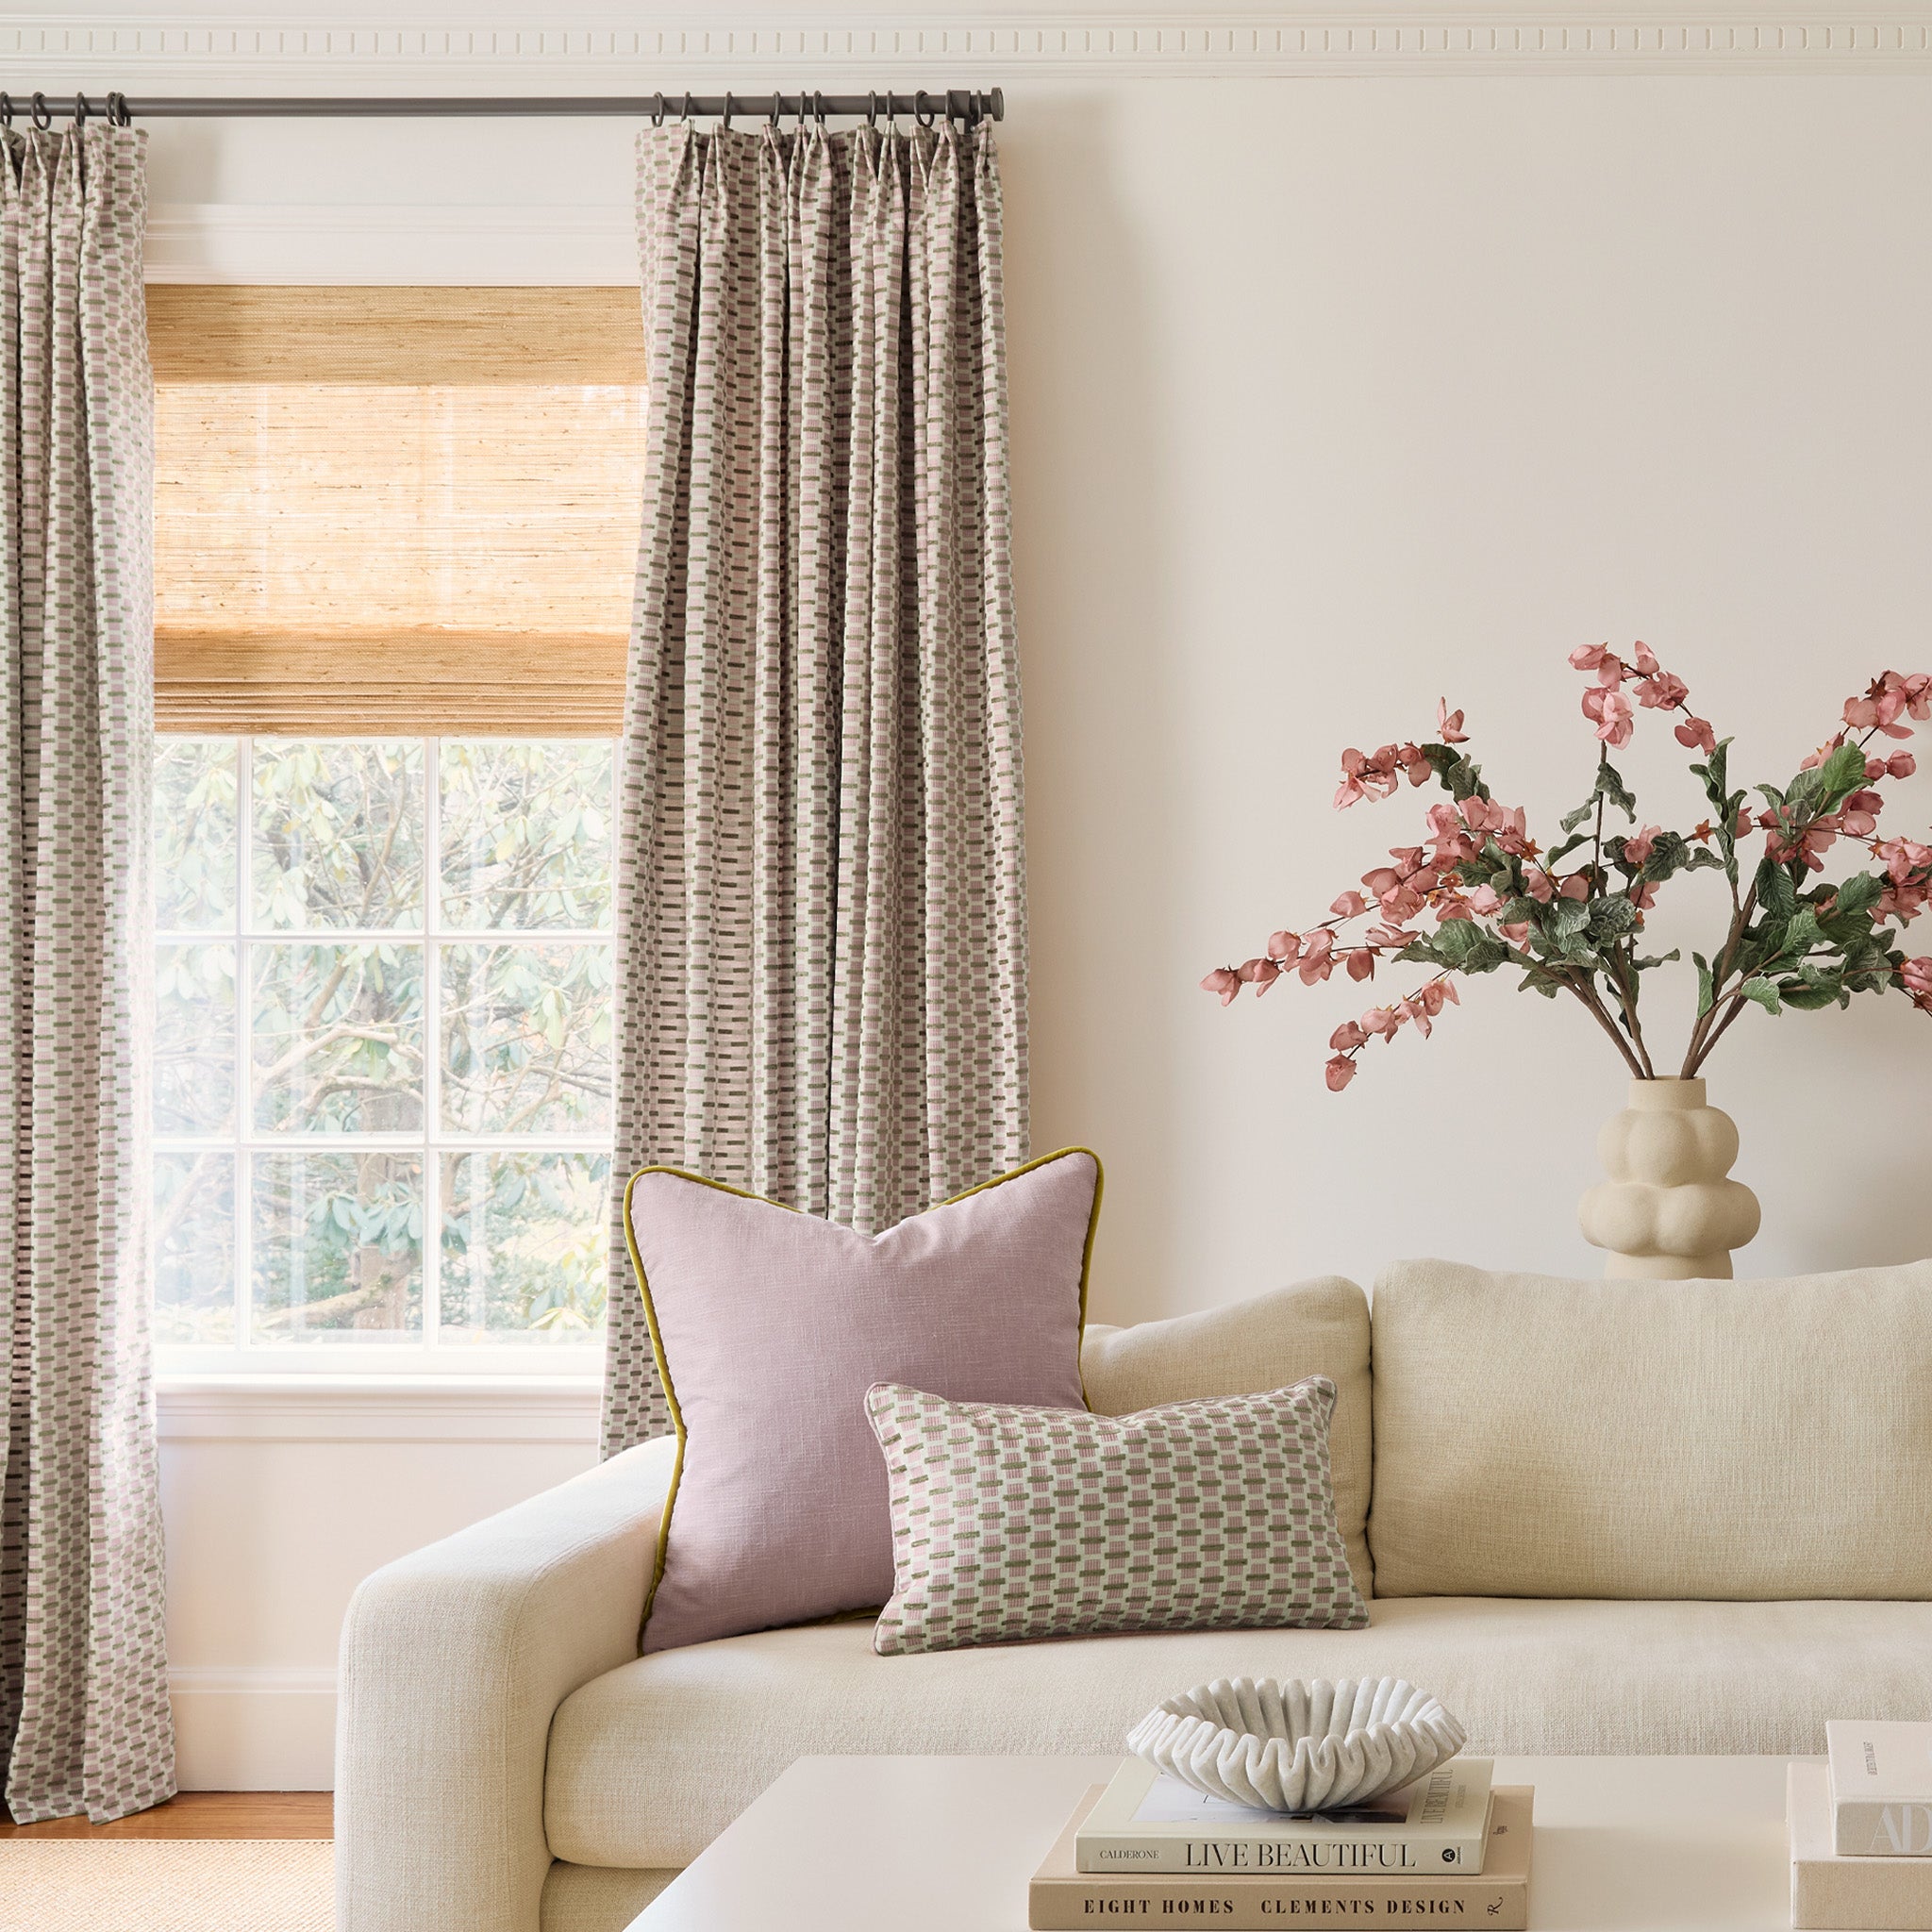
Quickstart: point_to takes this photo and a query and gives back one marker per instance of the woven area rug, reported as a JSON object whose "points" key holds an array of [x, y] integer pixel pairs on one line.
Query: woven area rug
{"points": [[166, 1885]]}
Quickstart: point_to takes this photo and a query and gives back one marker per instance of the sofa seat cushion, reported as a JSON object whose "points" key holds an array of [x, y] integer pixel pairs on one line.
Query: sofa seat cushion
{"points": [[650, 1762]]}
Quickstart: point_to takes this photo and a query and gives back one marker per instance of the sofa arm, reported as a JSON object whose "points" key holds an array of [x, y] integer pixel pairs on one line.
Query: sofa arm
{"points": [[453, 1662]]}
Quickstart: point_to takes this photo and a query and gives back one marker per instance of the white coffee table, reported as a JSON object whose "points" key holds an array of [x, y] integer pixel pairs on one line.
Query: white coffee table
{"points": [[947, 1844]]}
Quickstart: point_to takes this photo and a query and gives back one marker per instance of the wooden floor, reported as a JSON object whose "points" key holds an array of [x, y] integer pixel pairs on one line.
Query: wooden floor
{"points": [[204, 1815]]}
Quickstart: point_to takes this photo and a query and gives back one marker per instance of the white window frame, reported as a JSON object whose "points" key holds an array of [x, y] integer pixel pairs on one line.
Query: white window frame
{"points": [[421, 1357]]}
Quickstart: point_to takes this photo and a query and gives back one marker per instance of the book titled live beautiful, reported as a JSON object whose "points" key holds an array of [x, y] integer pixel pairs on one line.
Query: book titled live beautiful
{"points": [[1145, 1822], [1062, 1896]]}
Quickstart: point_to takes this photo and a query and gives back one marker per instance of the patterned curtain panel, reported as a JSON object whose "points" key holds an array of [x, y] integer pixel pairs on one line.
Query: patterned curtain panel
{"points": [[822, 897], [83, 1722]]}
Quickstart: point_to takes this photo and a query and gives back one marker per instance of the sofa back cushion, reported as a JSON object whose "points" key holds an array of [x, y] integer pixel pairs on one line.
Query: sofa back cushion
{"points": [[1721, 1439], [1318, 1328]]}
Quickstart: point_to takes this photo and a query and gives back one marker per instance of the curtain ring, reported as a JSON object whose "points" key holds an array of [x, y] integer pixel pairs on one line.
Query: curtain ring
{"points": [[778, 107], [118, 114], [685, 115], [871, 108], [724, 121], [922, 110], [657, 110], [79, 111], [6, 110], [40, 117], [818, 108]]}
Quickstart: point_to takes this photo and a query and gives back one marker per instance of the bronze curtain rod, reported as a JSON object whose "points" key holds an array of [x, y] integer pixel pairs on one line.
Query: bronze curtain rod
{"points": [[965, 103]]}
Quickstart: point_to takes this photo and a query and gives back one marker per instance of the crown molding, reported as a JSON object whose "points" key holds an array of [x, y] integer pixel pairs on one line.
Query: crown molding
{"points": [[61, 54]]}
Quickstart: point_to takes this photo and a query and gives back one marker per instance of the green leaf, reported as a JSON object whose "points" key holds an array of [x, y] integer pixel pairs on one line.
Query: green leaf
{"points": [[1839, 775], [1706, 986], [1859, 893], [1567, 917], [1571, 819], [1611, 919], [1610, 784], [1807, 999], [1645, 964], [1456, 774], [1761, 990], [1776, 894]]}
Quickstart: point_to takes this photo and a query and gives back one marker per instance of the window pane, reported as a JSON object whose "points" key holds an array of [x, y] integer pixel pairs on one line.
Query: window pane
{"points": [[194, 1247], [339, 1038], [527, 1038], [338, 837], [337, 1247], [524, 1240], [525, 834], [194, 1038], [194, 833]]}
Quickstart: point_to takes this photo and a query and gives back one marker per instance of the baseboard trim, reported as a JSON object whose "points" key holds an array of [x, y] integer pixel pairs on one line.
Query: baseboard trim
{"points": [[254, 1729]]}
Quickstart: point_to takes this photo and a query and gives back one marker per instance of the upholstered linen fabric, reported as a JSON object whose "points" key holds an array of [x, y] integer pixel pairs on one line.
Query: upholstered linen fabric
{"points": [[598, 1898], [84, 1717], [454, 1661], [1762, 1440], [1319, 1328], [1010, 1524], [1525, 1675], [771, 1326], [821, 894]]}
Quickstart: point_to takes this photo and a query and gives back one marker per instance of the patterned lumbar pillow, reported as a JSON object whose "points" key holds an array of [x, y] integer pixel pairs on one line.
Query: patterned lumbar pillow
{"points": [[1012, 1523], [768, 1327]]}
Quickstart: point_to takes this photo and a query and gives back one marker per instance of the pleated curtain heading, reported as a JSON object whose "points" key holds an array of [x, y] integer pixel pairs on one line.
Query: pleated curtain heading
{"points": [[822, 950], [83, 1722]]}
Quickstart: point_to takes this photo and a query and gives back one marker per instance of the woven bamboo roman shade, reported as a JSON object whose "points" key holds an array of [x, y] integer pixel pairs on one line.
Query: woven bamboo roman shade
{"points": [[396, 509]]}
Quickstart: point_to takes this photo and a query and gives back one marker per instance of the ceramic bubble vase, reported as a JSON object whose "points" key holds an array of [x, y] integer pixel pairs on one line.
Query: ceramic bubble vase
{"points": [[1670, 1210]]}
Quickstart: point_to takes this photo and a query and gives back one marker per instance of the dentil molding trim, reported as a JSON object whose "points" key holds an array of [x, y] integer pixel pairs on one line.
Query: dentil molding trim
{"points": [[61, 54]]}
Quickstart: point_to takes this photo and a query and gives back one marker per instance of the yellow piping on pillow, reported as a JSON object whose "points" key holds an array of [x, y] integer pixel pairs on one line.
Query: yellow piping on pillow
{"points": [[637, 1262]]}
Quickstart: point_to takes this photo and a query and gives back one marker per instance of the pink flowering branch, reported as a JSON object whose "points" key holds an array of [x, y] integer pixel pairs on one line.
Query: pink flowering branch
{"points": [[1497, 898]]}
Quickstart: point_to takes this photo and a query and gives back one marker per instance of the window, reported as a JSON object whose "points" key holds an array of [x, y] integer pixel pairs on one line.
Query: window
{"points": [[382, 1071], [396, 534]]}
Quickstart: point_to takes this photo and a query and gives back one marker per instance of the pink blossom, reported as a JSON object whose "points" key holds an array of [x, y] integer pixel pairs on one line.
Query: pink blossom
{"points": [[1539, 885], [1517, 932], [1365, 776], [1644, 658], [1662, 692], [1260, 973], [1394, 938], [1449, 724], [1887, 699], [1349, 906], [1414, 1009], [1338, 1072], [1451, 906], [1609, 711], [1915, 975], [1409, 757], [1317, 961], [1643, 895], [1223, 981], [1588, 657], [1639, 845], [1696, 733], [1347, 1037], [1858, 817], [1742, 828], [1361, 963], [1901, 764], [1485, 900], [1381, 1022], [1285, 946], [1577, 886]]}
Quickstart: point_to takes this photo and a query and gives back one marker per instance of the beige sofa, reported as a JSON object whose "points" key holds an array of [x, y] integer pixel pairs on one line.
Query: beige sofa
{"points": [[1608, 1516]]}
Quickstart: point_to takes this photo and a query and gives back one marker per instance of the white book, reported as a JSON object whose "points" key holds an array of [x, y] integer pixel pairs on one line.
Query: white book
{"points": [[1881, 1788], [1145, 1822]]}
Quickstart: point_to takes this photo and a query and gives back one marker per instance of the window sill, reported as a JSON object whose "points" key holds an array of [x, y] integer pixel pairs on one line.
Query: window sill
{"points": [[557, 1410]]}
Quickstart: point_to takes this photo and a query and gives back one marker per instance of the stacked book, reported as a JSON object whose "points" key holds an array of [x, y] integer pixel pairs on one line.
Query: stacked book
{"points": [[1147, 1850], [1861, 1831]]}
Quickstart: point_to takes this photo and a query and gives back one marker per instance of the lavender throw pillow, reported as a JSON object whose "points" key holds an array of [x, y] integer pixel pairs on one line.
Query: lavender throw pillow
{"points": [[771, 1325], [1009, 1523]]}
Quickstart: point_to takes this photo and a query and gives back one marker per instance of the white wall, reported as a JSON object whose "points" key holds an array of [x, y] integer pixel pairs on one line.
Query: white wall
{"points": [[1329, 395]]}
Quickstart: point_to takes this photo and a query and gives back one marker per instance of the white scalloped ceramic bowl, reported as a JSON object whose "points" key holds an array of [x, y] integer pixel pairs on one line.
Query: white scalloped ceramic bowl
{"points": [[1295, 1746]]}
